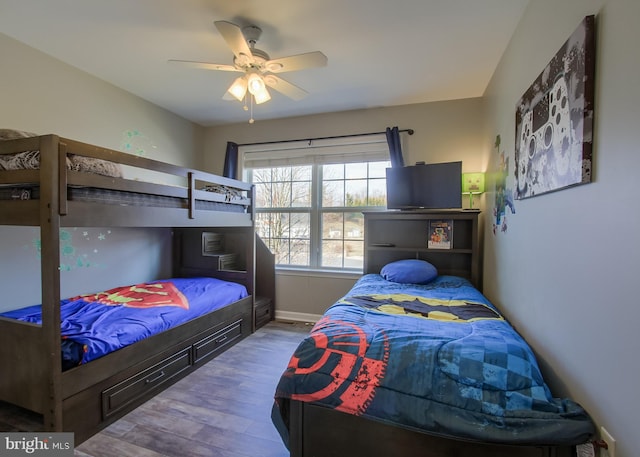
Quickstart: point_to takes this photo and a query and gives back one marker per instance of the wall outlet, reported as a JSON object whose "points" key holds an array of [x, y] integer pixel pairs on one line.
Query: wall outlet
{"points": [[611, 443]]}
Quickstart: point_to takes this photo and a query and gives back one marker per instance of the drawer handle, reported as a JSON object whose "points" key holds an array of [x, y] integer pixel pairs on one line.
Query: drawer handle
{"points": [[222, 339], [150, 380]]}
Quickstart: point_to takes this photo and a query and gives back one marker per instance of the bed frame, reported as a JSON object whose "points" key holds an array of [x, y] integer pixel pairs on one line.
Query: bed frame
{"points": [[323, 432], [86, 398]]}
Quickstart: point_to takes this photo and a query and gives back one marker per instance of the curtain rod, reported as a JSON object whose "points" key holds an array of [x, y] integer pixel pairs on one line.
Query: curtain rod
{"points": [[409, 131]]}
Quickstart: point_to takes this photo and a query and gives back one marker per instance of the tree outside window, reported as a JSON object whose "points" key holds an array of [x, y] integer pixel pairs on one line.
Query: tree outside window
{"points": [[311, 215]]}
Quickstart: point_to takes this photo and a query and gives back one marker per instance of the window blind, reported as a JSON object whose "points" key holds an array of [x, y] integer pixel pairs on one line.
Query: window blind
{"points": [[320, 151]]}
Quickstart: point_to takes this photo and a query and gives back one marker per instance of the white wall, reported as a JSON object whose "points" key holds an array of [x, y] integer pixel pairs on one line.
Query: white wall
{"points": [[564, 272], [304, 297], [91, 259], [43, 95], [444, 131]]}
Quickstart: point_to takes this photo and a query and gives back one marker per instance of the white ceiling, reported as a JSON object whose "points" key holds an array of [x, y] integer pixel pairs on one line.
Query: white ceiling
{"points": [[380, 52]]}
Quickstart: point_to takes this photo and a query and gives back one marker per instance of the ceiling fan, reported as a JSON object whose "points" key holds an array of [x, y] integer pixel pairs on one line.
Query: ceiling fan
{"points": [[258, 68]]}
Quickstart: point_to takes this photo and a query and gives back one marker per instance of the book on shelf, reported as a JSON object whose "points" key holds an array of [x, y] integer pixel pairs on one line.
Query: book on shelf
{"points": [[440, 234]]}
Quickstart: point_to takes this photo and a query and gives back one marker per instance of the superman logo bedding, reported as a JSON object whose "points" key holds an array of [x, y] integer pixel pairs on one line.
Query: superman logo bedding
{"points": [[436, 357], [94, 325]]}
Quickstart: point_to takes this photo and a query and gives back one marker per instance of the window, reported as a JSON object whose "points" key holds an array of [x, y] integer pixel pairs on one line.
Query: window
{"points": [[310, 197]]}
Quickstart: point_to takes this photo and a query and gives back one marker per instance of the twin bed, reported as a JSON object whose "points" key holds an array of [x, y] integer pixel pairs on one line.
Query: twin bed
{"points": [[410, 363], [117, 348]]}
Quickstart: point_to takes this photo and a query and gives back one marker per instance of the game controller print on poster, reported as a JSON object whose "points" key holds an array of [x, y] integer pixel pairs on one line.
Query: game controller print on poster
{"points": [[554, 120]]}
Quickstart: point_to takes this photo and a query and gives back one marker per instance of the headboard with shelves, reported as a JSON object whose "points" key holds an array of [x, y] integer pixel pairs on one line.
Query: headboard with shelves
{"points": [[397, 235]]}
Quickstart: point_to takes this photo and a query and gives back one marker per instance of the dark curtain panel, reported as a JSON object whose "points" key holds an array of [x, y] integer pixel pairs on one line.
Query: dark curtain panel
{"points": [[231, 161], [395, 149]]}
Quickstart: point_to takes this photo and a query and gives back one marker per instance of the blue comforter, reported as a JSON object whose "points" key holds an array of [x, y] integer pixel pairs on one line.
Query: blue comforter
{"points": [[436, 357], [93, 325]]}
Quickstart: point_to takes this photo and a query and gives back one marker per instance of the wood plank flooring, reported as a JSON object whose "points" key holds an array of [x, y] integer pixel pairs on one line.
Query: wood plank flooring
{"points": [[221, 410]]}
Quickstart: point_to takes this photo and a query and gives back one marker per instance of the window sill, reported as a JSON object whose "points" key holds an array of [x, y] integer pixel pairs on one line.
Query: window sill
{"points": [[308, 272]]}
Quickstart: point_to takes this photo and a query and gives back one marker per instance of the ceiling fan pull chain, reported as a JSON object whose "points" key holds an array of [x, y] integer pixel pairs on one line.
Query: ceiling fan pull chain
{"points": [[251, 120]]}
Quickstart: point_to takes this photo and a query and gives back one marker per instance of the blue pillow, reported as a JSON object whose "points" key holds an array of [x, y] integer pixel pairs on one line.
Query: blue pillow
{"points": [[410, 271]]}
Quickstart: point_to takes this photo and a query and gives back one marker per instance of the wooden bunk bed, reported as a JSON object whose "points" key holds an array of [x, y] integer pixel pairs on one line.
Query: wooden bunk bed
{"points": [[86, 398], [337, 396]]}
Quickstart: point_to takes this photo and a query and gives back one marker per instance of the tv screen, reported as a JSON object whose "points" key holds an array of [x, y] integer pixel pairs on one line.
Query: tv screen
{"points": [[430, 186]]}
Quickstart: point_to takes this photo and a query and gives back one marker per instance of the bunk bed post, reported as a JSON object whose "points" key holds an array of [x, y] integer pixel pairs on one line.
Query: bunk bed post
{"points": [[62, 179], [252, 208], [251, 256], [50, 279], [191, 194]]}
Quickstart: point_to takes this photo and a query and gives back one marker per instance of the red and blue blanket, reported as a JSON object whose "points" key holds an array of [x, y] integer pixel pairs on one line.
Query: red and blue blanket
{"points": [[437, 357], [93, 325]]}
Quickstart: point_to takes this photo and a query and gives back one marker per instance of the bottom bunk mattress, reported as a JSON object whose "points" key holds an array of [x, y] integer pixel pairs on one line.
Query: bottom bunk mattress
{"points": [[96, 324], [437, 358]]}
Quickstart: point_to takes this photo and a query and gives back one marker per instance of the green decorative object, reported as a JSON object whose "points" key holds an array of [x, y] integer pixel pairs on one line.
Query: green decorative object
{"points": [[472, 184]]}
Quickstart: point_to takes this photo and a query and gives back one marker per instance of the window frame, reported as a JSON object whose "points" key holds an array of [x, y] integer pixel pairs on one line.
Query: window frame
{"points": [[315, 153]]}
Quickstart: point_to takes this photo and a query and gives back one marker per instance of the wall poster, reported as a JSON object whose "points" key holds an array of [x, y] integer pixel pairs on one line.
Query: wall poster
{"points": [[554, 120]]}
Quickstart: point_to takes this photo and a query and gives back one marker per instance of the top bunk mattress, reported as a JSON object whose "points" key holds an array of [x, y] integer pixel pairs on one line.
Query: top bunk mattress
{"points": [[95, 180], [30, 160], [96, 324], [126, 198]]}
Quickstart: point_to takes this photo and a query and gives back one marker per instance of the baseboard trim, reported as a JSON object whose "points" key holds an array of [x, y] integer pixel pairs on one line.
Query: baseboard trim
{"points": [[296, 317]]}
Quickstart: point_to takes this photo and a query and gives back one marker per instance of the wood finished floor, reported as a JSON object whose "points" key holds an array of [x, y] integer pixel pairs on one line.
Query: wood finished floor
{"points": [[221, 410]]}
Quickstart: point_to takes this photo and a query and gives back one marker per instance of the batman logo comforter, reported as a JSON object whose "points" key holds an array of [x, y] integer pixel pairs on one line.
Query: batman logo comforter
{"points": [[436, 357]]}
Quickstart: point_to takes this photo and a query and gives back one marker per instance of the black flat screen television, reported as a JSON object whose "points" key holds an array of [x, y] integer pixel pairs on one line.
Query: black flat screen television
{"points": [[429, 186]]}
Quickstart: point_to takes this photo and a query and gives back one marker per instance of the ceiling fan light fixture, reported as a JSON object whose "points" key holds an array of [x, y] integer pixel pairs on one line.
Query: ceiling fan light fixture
{"points": [[239, 88], [255, 83], [262, 96]]}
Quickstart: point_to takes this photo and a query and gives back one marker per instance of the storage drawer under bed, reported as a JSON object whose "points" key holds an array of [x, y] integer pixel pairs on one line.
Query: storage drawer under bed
{"points": [[129, 390], [263, 311], [216, 341], [133, 388]]}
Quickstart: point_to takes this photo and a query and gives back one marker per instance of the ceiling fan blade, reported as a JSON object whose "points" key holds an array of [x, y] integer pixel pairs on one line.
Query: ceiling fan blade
{"points": [[232, 34], [297, 62], [285, 87], [204, 65]]}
